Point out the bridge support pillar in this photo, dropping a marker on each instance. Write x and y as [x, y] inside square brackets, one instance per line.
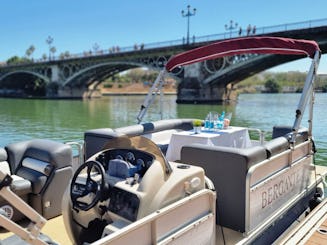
[191, 90]
[77, 93]
[54, 73]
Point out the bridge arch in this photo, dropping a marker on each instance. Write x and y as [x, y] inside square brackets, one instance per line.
[110, 68]
[22, 83]
[45, 78]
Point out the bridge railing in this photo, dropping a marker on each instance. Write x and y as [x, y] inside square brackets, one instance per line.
[264, 30]
[194, 40]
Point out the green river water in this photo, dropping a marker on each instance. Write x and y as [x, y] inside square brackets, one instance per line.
[66, 120]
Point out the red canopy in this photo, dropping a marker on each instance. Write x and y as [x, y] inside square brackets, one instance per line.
[258, 45]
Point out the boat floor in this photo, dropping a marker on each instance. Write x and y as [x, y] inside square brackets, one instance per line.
[312, 230]
[54, 228]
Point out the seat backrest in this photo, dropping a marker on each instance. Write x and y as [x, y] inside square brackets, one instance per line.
[227, 168]
[96, 139]
[285, 131]
[276, 145]
[35, 160]
[47, 165]
[57, 154]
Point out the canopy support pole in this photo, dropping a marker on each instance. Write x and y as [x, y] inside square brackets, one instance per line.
[156, 87]
[308, 91]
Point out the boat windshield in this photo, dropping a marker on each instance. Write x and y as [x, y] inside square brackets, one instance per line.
[139, 143]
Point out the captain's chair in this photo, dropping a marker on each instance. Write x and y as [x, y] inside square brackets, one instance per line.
[41, 169]
[20, 186]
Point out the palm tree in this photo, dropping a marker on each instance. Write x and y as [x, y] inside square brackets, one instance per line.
[53, 50]
[30, 51]
[32, 48]
[67, 54]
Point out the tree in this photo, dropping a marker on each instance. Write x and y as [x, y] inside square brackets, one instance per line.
[13, 60]
[17, 60]
[61, 56]
[272, 86]
[64, 55]
[53, 50]
[30, 51]
[67, 54]
[44, 57]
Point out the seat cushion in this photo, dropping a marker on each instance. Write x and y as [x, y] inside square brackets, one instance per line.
[20, 186]
[36, 178]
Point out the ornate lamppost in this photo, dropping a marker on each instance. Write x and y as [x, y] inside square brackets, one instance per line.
[49, 42]
[231, 27]
[188, 14]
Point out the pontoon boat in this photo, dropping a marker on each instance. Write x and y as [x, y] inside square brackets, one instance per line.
[159, 183]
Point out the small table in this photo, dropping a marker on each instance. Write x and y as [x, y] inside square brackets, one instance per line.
[237, 137]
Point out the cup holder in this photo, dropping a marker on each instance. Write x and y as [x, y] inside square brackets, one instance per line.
[183, 166]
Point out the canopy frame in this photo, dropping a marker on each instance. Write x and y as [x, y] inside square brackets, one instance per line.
[254, 45]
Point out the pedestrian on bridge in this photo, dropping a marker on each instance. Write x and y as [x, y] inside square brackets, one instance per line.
[248, 30]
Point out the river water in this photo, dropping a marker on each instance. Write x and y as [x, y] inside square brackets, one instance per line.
[66, 120]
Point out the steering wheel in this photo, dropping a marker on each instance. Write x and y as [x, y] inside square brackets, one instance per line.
[87, 185]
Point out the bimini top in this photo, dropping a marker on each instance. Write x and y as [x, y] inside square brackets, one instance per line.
[258, 45]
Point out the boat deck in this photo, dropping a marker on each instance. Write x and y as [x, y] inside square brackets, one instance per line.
[313, 229]
[320, 235]
[53, 228]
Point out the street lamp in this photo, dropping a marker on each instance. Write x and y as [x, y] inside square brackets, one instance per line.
[49, 42]
[188, 14]
[231, 27]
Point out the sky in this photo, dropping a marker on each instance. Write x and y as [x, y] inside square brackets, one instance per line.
[76, 25]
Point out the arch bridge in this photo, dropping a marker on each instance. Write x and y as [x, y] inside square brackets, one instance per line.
[79, 75]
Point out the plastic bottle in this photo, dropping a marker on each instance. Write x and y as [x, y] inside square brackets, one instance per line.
[220, 123]
[207, 122]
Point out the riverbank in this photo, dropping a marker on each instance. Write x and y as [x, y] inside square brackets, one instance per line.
[135, 89]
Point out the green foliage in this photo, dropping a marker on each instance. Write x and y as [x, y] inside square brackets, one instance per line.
[272, 86]
[108, 85]
[294, 81]
[64, 55]
[15, 60]
[324, 88]
[133, 76]
[283, 78]
[30, 51]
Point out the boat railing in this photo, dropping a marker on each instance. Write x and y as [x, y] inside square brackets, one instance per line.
[196, 214]
[260, 182]
[260, 134]
[78, 150]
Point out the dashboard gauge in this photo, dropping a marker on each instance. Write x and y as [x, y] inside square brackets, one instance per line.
[130, 157]
[140, 162]
[119, 157]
